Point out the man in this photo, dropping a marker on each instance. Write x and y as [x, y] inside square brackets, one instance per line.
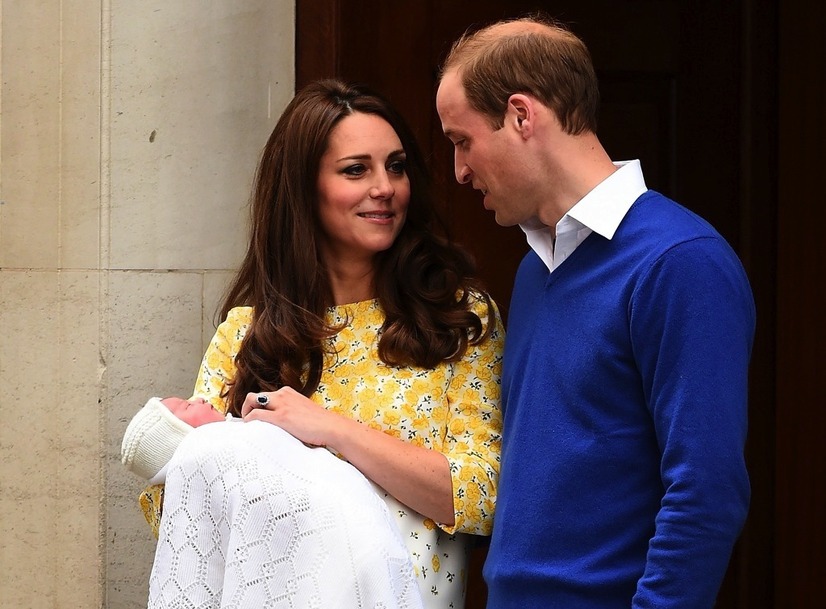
[623, 481]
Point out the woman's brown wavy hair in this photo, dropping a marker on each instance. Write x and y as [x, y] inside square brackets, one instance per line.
[424, 283]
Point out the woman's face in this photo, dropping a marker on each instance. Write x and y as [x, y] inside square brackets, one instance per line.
[363, 189]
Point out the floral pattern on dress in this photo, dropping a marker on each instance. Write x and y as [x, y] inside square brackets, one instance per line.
[452, 408]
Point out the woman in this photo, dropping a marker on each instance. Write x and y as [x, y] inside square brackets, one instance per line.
[354, 325]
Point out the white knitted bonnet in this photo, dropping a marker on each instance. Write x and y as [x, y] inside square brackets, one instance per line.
[150, 439]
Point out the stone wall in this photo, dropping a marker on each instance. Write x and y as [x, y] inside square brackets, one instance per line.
[129, 133]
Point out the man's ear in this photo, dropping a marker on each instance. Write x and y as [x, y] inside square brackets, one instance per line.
[521, 114]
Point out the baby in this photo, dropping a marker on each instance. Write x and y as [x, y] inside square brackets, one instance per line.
[250, 511]
[158, 428]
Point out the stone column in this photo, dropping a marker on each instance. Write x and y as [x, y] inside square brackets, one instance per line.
[129, 134]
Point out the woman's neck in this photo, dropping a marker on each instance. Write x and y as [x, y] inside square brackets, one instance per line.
[351, 283]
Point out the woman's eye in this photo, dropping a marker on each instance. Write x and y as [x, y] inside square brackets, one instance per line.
[397, 167]
[354, 170]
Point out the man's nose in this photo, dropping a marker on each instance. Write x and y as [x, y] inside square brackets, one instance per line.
[463, 172]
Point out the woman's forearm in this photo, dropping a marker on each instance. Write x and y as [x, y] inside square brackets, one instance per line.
[416, 476]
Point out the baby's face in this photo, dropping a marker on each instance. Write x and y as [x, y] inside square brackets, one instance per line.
[193, 412]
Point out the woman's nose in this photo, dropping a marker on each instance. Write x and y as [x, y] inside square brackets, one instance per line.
[383, 188]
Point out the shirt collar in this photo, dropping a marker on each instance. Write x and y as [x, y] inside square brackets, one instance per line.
[605, 206]
[600, 211]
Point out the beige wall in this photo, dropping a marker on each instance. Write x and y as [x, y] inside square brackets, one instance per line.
[129, 132]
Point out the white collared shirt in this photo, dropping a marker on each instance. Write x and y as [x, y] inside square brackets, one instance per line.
[600, 211]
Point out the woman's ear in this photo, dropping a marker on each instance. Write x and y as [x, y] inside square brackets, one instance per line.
[521, 114]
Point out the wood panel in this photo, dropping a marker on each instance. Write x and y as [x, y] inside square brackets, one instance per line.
[800, 552]
[750, 580]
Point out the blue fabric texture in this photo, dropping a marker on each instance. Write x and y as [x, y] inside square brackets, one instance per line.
[623, 480]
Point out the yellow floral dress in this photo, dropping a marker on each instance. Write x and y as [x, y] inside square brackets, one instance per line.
[452, 408]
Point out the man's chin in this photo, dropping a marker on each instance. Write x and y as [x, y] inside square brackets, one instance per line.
[500, 219]
[503, 221]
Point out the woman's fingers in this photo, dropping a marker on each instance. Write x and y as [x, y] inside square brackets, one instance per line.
[256, 400]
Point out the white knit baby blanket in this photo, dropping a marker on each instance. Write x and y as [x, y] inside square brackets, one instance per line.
[255, 519]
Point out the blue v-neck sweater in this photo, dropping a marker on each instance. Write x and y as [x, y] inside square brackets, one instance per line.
[623, 481]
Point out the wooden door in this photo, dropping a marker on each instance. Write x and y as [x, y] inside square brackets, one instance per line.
[684, 88]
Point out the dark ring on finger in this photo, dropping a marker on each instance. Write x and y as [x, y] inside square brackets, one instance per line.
[262, 399]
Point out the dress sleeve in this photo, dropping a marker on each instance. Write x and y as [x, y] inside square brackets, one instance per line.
[473, 439]
[218, 366]
[217, 369]
[151, 502]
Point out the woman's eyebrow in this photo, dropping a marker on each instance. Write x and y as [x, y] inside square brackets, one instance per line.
[367, 156]
[354, 157]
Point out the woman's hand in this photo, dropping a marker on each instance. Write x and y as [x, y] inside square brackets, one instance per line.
[418, 477]
[294, 413]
